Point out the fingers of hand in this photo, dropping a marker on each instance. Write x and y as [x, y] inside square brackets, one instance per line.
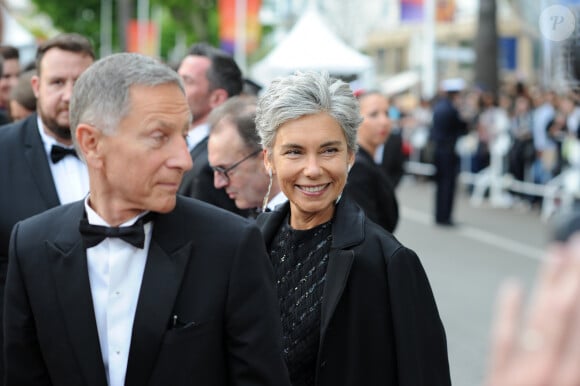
[568, 371]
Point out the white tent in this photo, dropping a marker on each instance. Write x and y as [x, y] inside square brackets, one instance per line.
[14, 34]
[311, 45]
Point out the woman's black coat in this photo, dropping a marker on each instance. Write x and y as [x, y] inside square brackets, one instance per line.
[379, 321]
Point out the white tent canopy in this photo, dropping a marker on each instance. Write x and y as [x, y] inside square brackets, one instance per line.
[311, 45]
[14, 34]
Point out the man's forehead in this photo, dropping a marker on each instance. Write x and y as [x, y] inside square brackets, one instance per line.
[226, 140]
[80, 62]
[194, 62]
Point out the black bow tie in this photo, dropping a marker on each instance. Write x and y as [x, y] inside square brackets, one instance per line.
[134, 234]
[58, 152]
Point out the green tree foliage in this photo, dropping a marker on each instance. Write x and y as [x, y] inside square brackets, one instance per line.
[81, 16]
[197, 20]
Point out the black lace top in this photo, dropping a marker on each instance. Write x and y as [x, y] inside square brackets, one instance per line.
[300, 258]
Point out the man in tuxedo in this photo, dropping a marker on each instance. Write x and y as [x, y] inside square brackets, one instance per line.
[210, 76]
[37, 167]
[135, 285]
[236, 157]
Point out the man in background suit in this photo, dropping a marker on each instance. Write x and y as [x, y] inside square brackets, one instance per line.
[448, 126]
[236, 157]
[210, 76]
[35, 174]
[135, 285]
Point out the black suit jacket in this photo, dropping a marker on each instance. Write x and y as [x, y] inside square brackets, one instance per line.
[371, 189]
[204, 264]
[393, 158]
[379, 321]
[198, 181]
[26, 185]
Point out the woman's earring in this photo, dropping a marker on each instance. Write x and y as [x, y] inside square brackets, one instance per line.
[267, 196]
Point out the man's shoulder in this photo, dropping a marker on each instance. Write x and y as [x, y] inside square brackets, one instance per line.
[55, 215]
[13, 134]
[49, 224]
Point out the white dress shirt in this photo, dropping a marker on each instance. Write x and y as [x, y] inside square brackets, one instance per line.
[278, 199]
[542, 115]
[115, 274]
[378, 156]
[70, 174]
[196, 135]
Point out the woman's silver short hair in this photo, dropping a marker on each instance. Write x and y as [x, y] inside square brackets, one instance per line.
[307, 93]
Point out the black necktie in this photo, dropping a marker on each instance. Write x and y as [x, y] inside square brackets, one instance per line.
[134, 234]
[58, 152]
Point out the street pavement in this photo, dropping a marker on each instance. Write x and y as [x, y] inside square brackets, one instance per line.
[467, 264]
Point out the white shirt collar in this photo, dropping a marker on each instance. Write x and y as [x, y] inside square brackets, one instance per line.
[197, 134]
[94, 218]
[278, 199]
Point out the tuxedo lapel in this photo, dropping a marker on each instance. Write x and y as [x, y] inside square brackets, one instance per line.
[69, 267]
[339, 264]
[186, 187]
[199, 148]
[347, 232]
[166, 263]
[36, 157]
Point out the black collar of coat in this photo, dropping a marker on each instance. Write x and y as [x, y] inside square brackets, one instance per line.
[347, 225]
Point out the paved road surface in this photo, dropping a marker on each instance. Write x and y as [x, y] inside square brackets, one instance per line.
[466, 265]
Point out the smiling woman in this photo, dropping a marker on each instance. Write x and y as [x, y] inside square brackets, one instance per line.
[344, 284]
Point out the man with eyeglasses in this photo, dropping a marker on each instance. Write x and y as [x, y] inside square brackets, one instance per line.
[236, 157]
[210, 77]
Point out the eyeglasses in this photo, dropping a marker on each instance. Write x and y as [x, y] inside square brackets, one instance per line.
[224, 171]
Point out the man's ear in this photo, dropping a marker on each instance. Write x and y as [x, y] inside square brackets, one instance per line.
[35, 83]
[217, 97]
[88, 138]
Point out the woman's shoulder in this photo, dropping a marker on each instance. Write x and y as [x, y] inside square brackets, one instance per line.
[375, 234]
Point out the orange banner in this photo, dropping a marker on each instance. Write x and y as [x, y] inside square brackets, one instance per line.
[149, 45]
[227, 24]
[445, 11]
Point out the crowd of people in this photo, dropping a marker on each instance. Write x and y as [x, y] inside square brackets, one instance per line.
[526, 133]
[170, 227]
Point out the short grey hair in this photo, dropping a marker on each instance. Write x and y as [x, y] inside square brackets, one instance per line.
[307, 93]
[101, 94]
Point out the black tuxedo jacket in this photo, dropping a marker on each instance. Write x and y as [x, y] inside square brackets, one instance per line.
[379, 321]
[198, 181]
[205, 265]
[369, 186]
[393, 160]
[27, 186]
